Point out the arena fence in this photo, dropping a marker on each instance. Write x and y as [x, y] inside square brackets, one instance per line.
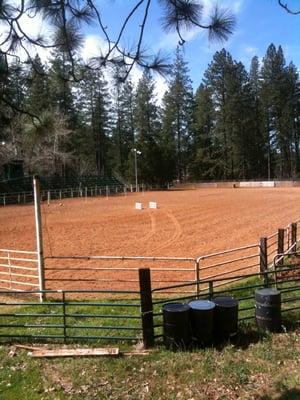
[18, 270]
[121, 273]
[107, 315]
[60, 194]
[86, 299]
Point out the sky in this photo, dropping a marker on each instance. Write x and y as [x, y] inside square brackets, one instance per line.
[259, 23]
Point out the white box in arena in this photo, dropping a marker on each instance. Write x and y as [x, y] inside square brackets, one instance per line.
[152, 204]
[138, 206]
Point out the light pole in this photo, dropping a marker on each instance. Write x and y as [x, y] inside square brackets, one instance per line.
[136, 153]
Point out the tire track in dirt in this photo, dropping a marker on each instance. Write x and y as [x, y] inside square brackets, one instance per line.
[152, 231]
[176, 235]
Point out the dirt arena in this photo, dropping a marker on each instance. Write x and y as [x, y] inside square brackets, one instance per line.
[187, 223]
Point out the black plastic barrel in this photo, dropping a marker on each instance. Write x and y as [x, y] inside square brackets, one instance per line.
[225, 317]
[202, 321]
[268, 309]
[176, 326]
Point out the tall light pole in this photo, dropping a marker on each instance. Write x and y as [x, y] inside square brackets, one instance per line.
[136, 153]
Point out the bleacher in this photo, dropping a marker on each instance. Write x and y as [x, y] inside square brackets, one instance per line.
[20, 190]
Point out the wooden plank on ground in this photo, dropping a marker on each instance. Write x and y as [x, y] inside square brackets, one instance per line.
[110, 352]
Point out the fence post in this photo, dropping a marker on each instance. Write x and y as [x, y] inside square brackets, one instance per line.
[280, 246]
[211, 289]
[294, 235]
[39, 236]
[146, 307]
[197, 277]
[263, 256]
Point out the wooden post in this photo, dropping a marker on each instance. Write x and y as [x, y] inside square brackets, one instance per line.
[294, 235]
[264, 259]
[211, 289]
[146, 307]
[280, 245]
[197, 277]
[39, 236]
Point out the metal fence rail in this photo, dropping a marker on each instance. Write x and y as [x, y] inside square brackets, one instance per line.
[63, 317]
[18, 269]
[59, 194]
[243, 289]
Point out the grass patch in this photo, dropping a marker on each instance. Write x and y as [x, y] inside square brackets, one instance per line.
[266, 369]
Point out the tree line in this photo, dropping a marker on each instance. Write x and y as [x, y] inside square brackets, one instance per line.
[238, 124]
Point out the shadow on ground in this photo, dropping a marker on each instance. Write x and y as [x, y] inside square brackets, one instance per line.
[291, 394]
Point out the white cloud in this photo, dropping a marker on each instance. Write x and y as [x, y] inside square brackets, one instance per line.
[161, 85]
[93, 46]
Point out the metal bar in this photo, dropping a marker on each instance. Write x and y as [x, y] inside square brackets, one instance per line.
[18, 267]
[15, 274]
[227, 251]
[114, 269]
[32, 336]
[231, 271]
[290, 309]
[271, 236]
[20, 259]
[49, 291]
[122, 258]
[9, 267]
[64, 315]
[29, 326]
[19, 251]
[229, 262]
[19, 283]
[107, 327]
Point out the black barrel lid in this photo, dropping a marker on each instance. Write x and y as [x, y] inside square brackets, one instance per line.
[225, 301]
[176, 307]
[267, 292]
[201, 305]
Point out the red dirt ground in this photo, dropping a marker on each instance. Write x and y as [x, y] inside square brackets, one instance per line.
[188, 223]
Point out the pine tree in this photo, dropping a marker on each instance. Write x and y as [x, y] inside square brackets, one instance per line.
[206, 148]
[146, 129]
[37, 96]
[215, 79]
[95, 104]
[178, 111]
[123, 130]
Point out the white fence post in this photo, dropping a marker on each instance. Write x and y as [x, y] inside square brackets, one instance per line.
[39, 236]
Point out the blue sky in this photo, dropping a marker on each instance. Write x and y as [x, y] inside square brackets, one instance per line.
[259, 23]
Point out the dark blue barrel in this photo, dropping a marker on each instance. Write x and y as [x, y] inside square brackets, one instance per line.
[176, 326]
[202, 321]
[225, 317]
[268, 309]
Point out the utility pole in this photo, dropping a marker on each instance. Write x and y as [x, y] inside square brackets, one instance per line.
[136, 153]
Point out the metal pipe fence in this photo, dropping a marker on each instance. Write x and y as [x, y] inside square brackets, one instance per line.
[63, 317]
[243, 291]
[18, 269]
[60, 194]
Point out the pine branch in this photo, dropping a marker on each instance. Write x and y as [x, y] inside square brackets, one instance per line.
[287, 8]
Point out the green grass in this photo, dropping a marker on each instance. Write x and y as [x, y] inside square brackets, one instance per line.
[257, 366]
